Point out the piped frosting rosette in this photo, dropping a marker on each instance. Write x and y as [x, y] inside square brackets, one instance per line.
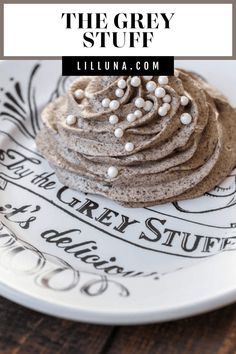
[140, 140]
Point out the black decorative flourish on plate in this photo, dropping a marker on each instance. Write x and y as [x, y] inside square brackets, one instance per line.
[45, 267]
[3, 183]
[20, 107]
[221, 197]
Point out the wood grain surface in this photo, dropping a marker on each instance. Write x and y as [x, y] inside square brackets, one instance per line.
[23, 331]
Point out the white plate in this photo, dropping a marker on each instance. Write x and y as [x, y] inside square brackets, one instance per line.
[58, 257]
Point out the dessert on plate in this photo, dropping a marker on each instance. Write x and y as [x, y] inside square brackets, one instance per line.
[141, 140]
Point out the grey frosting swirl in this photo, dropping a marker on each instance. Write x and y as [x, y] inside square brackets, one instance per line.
[169, 161]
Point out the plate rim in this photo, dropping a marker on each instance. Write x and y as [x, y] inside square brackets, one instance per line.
[104, 317]
[40, 303]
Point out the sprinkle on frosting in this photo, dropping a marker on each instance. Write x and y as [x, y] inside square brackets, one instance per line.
[166, 106]
[163, 80]
[184, 100]
[71, 119]
[148, 106]
[151, 86]
[166, 98]
[129, 147]
[135, 81]
[139, 102]
[186, 118]
[176, 73]
[162, 111]
[114, 105]
[79, 94]
[121, 84]
[113, 119]
[160, 92]
[131, 117]
[119, 92]
[147, 78]
[138, 113]
[106, 102]
[119, 132]
[112, 172]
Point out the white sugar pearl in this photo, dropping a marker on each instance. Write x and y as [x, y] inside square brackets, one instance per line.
[70, 119]
[186, 118]
[112, 172]
[121, 84]
[139, 102]
[148, 106]
[135, 81]
[147, 78]
[163, 80]
[131, 117]
[151, 86]
[162, 111]
[166, 99]
[113, 119]
[138, 113]
[106, 102]
[129, 147]
[167, 106]
[176, 73]
[119, 93]
[184, 100]
[160, 92]
[79, 94]
[119, 133]
[114, 104]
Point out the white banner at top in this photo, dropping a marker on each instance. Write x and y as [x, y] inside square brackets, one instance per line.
[190, 30]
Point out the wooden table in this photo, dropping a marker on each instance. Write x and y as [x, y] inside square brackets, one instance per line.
[23, 331]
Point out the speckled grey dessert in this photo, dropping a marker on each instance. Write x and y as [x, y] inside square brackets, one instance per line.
[140, 141]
